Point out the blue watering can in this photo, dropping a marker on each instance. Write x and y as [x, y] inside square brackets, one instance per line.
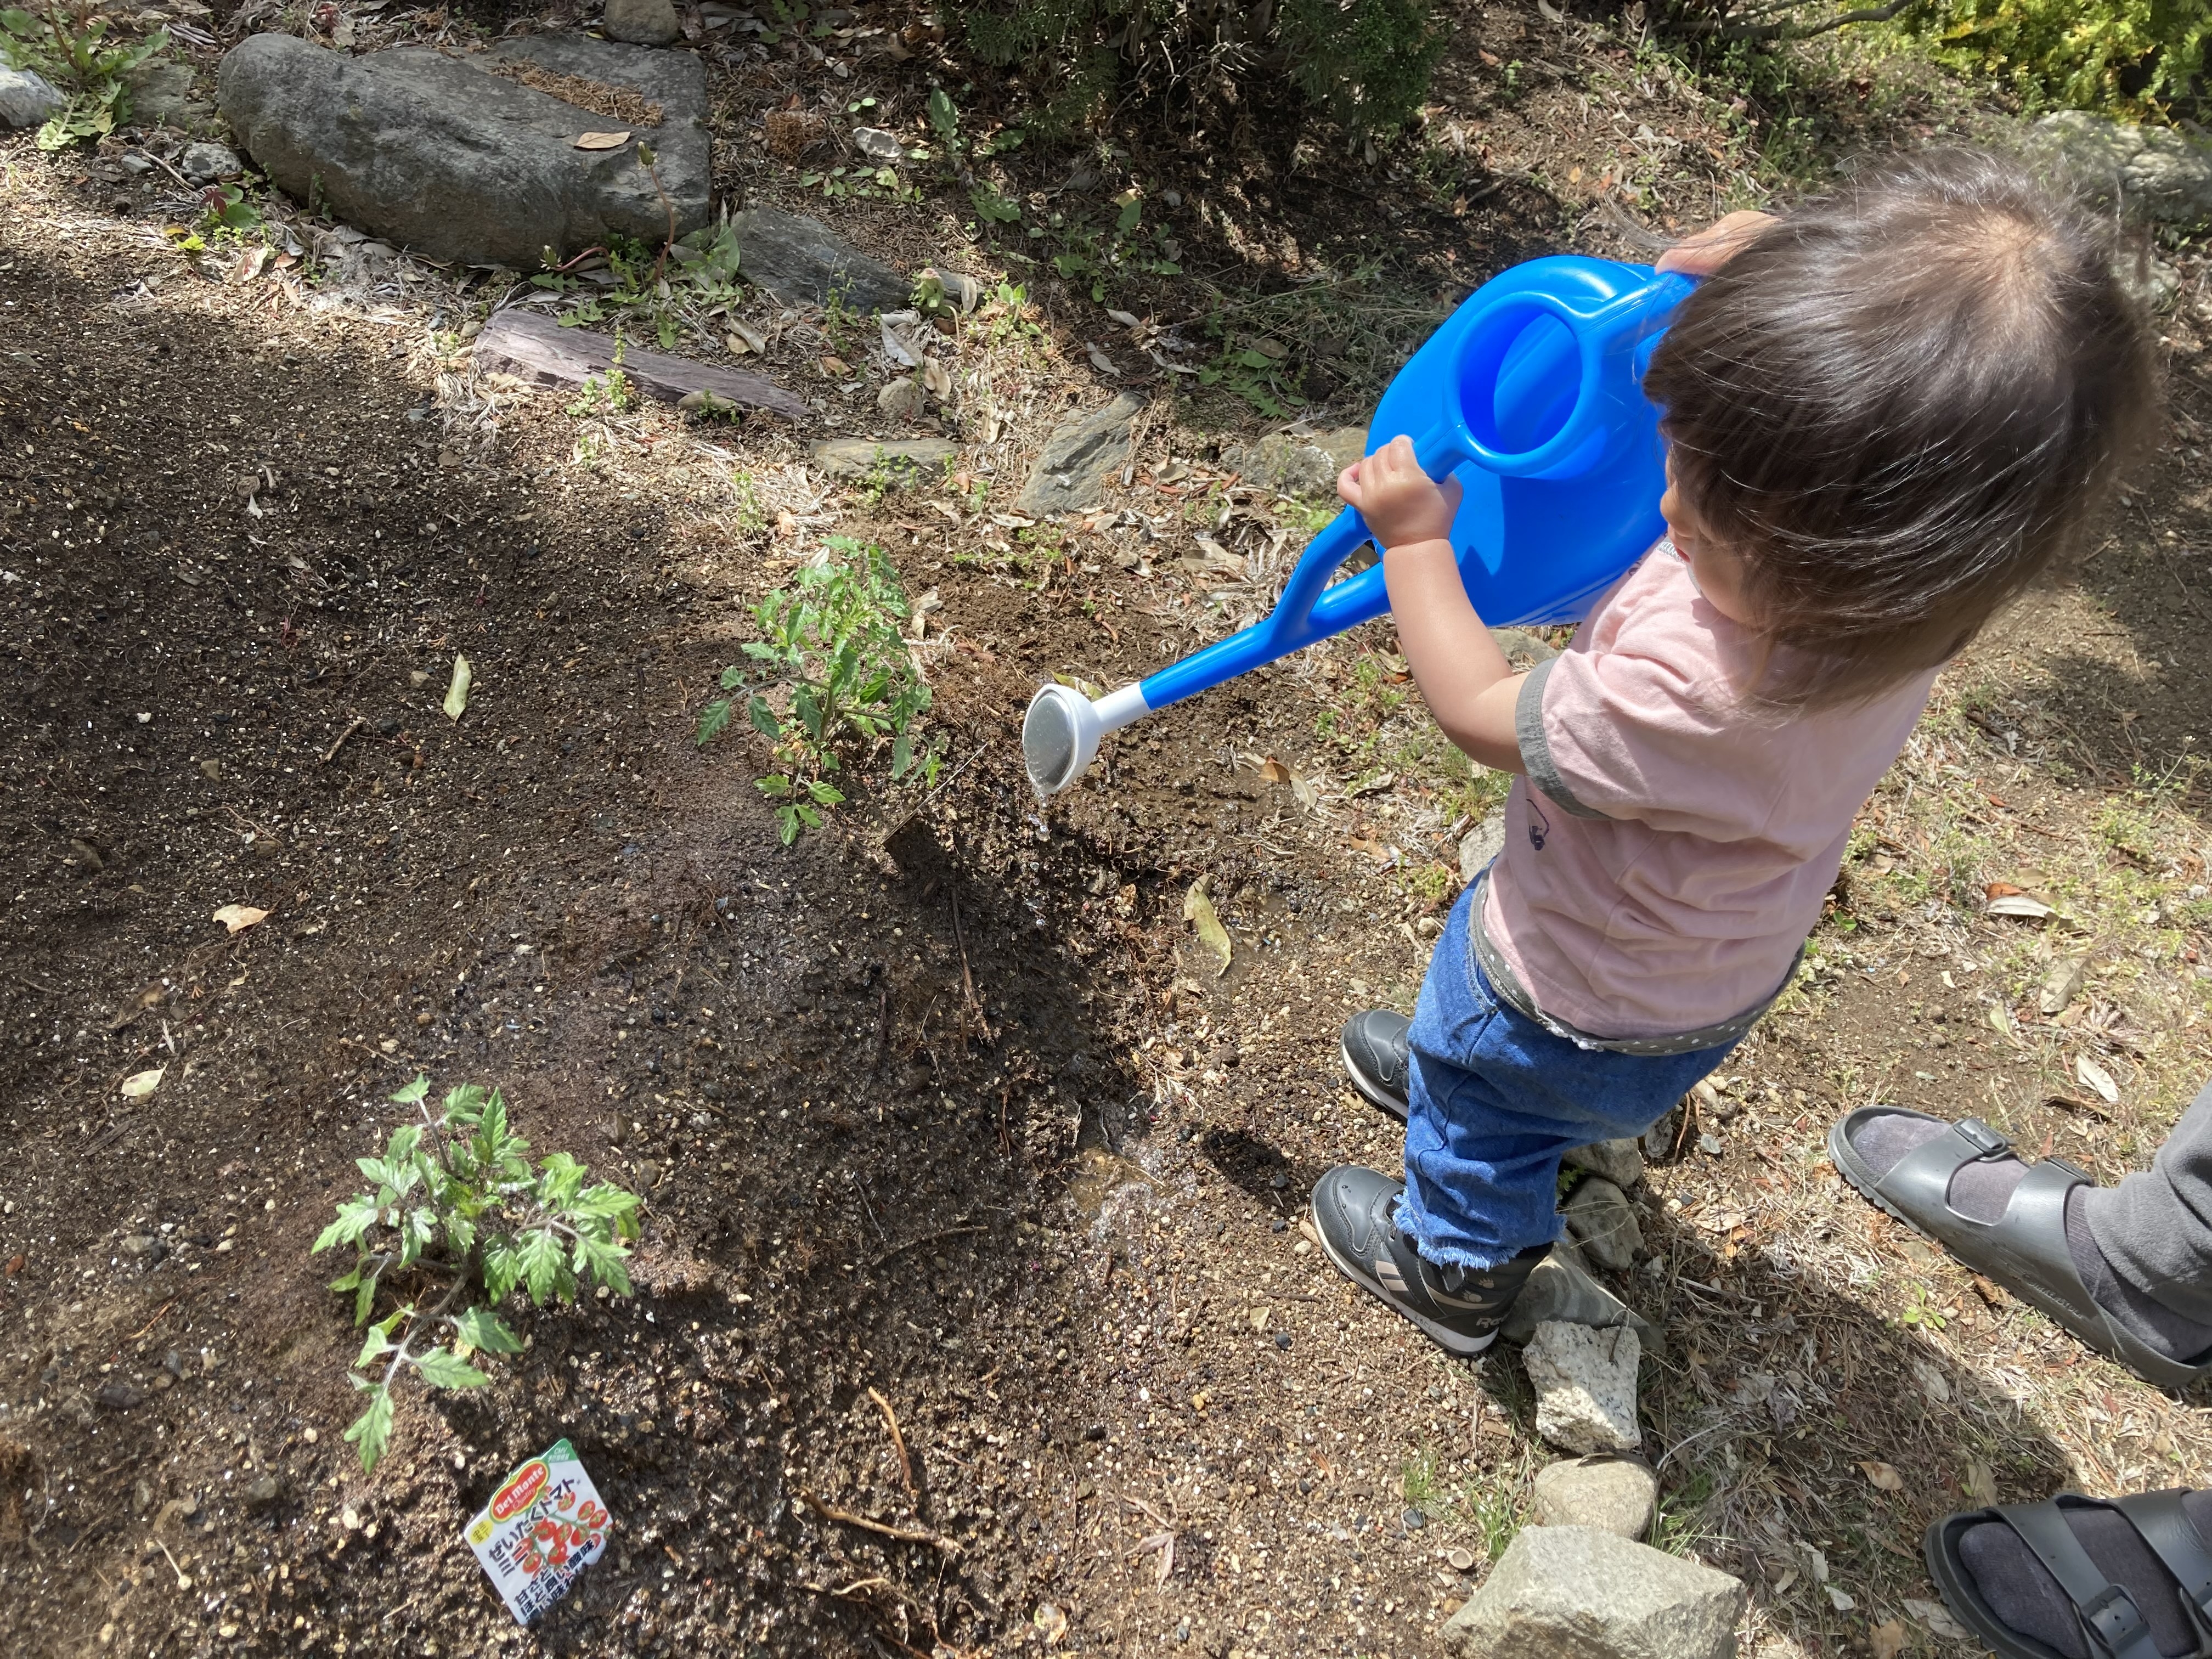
[1531, 395]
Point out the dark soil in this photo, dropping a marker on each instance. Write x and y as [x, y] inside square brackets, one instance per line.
[945, 1104]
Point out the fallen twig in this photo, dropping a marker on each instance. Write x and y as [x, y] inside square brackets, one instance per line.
[967, 976]
[898, 1442]
[926, 1239]
[904, 1535]
[331, 753]
[26, 979]
[151, 1323]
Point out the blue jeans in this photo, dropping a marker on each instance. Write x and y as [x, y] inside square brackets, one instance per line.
[1495, 1100]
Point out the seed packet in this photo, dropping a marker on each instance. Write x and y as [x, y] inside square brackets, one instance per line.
[543, 1526]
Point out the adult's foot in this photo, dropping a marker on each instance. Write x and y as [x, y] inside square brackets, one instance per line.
[1459, 1309]
[1991, 1575]
[1982, 1190]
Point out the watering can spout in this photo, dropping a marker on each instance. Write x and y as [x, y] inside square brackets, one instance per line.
[1531, 394]
[1061, 733]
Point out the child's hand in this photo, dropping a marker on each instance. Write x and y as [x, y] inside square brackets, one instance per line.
[1401, 503]
[1703, 254]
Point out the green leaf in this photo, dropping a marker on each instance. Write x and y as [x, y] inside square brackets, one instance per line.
[414, 1093]
[773, 786]
[604, 1202]
[543, 1271]
[364, 1299]
[714, 721]
[559, 1179]
[787, 821]
[813, 819]
[415, 1236]
[608, 1263]
[441, 1368]
[375, 1345]
[764, 717]
[372, 1431]
[502, 1267]
[481, 1328]
[347, 1281]
[902, 755]
[733, 677]
[825, 794]
[460, 1231]
[466, 1103]
[355, 1216]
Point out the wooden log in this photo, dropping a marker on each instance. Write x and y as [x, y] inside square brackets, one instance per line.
[533, 347]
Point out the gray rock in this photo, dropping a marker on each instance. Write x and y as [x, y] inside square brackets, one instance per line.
[430, 152]
[1561, 1290]
[161, 94]
[1579, 1593]
[1523, 650]
[1604, 1222]
[1082, 452]
[897, 461]
[1481, 844]
[1585, 1384]
[1297, 465]
[1659, 1139]
[878, 146]
[643, 23]
[1617, 1495]
[26, 100]
[139, 1244]
[800, 261]
[2158, 171]
[263, 1493]
[902, 398]
[207, 163]
[1620, 1162]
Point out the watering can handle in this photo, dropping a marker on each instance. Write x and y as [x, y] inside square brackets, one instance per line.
[1291, 624]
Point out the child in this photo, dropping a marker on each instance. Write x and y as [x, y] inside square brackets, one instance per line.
[1885, 413]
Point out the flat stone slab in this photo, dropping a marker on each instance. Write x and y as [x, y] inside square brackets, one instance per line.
[1082, 452]
[2160, 173]
[898, 461]
[1617, 1495]
[1585, 1386]
[433, 152]
[802, 261]
[1620, 1162]
[1297, 465]
[533, 346]
[1581, 1593]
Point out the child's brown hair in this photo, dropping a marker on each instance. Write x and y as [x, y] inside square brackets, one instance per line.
[1899, 404]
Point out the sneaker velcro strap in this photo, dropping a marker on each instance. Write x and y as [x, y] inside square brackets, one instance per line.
[1985, 1140]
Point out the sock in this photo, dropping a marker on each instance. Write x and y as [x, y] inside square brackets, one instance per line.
[1981, 1190]
[2022, 1592]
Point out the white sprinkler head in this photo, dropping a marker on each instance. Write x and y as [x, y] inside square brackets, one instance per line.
[1061, 733]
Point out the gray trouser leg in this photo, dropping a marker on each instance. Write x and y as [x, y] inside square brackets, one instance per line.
[2155, 1227]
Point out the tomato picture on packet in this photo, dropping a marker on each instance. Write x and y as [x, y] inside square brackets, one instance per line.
[543, 1526]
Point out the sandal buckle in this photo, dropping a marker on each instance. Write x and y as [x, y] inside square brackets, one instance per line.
[2114, 1617]
[1985, 1142]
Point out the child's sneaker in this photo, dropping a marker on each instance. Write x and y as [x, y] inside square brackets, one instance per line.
[1379, 1059]
[1459, 1309]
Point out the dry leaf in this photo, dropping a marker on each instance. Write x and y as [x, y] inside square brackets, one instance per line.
[1997, 889]
[2060, 984]
[1932, 1381]
[1883, 1476]
[1887, 1640]
[602, 141]
[1198, 909]
[1100, 361]
[1842, 1602]
[1938, 1618]
[1981, 1481]
[2094, 1076]
[936, 378]
[2019, 904]
[1275, 771]
[1050, 1621]
[239, 917]
[457, 694]
[139, 1085]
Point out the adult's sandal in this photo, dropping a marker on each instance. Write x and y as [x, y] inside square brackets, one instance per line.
[2075, 1578]
[2023, 1250]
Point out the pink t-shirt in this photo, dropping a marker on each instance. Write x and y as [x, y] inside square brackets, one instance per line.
[1668, 851]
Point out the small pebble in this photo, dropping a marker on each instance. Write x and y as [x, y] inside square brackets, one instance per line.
[1282, 1338]
[1279, 1225]
[1462, 1560]
[1414, 1520]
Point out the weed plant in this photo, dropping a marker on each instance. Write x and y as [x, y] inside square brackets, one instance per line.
[69, 46]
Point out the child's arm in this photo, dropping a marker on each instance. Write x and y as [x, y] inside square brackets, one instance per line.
[1463, 674]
